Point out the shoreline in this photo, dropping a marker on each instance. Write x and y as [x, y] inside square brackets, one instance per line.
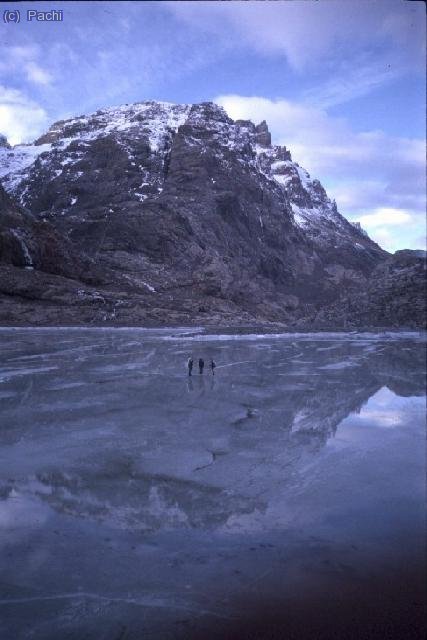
[249, 331]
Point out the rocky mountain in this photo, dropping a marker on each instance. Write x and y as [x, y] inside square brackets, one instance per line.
[176, 213]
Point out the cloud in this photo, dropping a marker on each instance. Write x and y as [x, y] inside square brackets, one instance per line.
[21, 118]
[22, 60]
[392, 240]
[369, 173]
[381, 225]
[348, 48]
[36, 74]
[309, 33]
[352, 80]
[385, 215]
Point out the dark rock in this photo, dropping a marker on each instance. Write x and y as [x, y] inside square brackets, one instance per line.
[263, 136]
[3, 142]
[394, 296]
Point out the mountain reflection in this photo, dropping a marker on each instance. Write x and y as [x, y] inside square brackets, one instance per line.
[153, 449]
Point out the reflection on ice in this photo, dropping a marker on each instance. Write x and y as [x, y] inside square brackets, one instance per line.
[386, 409]
[340, 365]
[298, 449]
[270, 410]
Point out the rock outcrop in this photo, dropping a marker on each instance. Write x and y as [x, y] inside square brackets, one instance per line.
[3, 142]
[29, 243]
[395, 296]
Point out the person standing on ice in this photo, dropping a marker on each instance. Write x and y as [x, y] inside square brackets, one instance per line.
[190, 365]
[213, 365]
[201, 365]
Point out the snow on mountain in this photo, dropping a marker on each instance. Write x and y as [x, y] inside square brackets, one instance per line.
[183, 201]
[65, 145]
[157, 119]
[63, 149]
[15, 162]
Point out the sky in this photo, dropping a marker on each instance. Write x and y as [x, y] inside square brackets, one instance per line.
[341, 84]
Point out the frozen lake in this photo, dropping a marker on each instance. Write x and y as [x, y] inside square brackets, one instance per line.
[282, 498]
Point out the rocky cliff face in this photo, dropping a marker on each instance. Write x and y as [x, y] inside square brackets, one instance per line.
[40, 270]
[395, 296]
[187, 215]
[29, 243]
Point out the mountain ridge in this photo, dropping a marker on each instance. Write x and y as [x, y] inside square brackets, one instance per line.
[185, 214]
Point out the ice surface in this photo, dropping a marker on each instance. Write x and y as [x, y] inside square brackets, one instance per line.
[136, 501]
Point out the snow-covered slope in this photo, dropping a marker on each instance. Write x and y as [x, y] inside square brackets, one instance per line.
[315, 213]
[143, 129]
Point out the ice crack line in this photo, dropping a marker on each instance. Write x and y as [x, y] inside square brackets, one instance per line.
[232, 364]
[145, 602]
[209, 464]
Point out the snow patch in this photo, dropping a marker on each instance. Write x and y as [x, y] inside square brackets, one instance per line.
[149, 287]
[14, 162]
[304, 176]
[155, 120]
[281, 179]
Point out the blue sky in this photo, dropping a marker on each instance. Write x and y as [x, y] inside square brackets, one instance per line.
[342, 84]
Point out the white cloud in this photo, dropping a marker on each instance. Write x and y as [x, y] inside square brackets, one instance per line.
[37, 75]
[349, 48]
[405, 237]
[308, 33]
[393, 228]
[368, 173]
[21, 118]
[385, 215]
[24, 60]
[22, 53]
[351, 80]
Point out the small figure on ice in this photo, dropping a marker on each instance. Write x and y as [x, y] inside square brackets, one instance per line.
[201, 365]
[190, 365]
[213, 365]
